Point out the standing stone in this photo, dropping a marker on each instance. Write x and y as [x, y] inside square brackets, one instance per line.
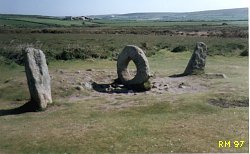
[197, 62]
[38, 78]
[135, 54]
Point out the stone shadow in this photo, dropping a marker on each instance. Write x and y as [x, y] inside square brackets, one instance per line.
[117, 87]
[177, 75]
[27, 107]
[110, 88]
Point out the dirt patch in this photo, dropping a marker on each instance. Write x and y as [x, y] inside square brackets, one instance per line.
[100, 83]
[229, 103]
[180, 85]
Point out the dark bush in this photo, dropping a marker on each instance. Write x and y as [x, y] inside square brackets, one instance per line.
[234, 46]
[244, 53]
[161, 45]
[144, 45]
[179, 48]
[14, 56]
[81, 53]
[65, 55]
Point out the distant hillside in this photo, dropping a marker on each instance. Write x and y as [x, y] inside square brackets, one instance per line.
[212, 15]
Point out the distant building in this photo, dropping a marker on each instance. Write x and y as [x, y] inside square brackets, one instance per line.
[68, 18]
[78, 18]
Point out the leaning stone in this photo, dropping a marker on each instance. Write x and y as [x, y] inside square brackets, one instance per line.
[197, 62]
[137, 55]
[38, 78]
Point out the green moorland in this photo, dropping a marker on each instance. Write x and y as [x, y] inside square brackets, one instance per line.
[87, 121]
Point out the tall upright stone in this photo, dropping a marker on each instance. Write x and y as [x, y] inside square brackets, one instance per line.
[141, 80]
[197, 61]
[38, 78]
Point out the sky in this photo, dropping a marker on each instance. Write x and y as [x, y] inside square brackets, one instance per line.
[98, 7]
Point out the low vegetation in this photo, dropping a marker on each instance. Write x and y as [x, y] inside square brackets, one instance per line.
[179, 48]
[108, 46]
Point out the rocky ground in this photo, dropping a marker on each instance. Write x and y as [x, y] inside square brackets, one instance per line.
[97, 84]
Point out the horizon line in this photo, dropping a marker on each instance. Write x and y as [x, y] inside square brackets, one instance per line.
[122, 13]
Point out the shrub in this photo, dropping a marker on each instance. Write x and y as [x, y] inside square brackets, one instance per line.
[179, 48]
[161, 45]
[144, 45]
[244, 53]
[14, 56]
[50, 55]
[235, 46]
[81, 53]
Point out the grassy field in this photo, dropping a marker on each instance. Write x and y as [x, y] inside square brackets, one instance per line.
[36, 22]
[132, 23]
[190, 119]
[17, 21]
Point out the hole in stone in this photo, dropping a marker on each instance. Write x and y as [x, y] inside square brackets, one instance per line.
[131, 70]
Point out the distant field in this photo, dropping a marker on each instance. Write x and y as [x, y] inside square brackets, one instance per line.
[132, 23]
[36, 22]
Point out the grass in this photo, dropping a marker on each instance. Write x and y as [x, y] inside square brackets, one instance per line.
[164, 123]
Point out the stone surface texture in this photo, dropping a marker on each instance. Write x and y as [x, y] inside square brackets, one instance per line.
[197, 61]
[38, 78]
[135, 54]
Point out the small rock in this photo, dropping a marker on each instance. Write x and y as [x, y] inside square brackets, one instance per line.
[182, 85]
[130, 91]
[216, 75]
[7, 81]
[18, 99]
[154, 86]
[80, 88]
[89, 69]
[166, 87]
[120, 85]
[78, 72]
[88, 85]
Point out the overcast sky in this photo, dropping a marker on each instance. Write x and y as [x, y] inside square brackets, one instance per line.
[97, 7]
